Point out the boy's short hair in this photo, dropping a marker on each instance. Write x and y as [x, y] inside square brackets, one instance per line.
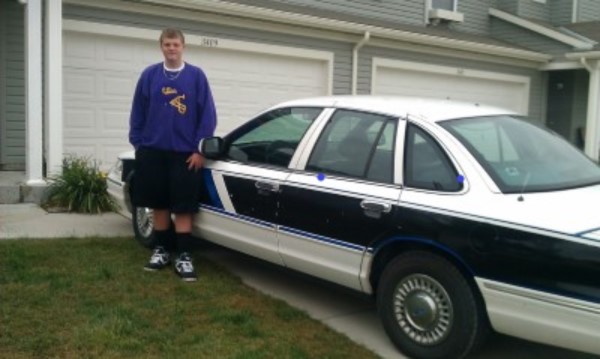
[171, 33]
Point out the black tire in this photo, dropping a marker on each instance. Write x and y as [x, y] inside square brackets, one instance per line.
[142, 221]
[428, 308]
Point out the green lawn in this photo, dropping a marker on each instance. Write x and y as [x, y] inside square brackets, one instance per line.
[90, 298]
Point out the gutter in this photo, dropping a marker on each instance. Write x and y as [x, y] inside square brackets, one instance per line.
[360, 44]
[288, 18]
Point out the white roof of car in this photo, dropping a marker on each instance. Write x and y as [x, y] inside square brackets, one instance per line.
[424, 108]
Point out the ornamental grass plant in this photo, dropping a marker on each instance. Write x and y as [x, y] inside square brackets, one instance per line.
[80, 188]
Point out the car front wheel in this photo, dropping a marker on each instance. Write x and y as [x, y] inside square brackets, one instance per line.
[428, 309]
[142, 220]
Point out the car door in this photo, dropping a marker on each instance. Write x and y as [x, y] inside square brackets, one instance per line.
[342, 198]
[240, 209]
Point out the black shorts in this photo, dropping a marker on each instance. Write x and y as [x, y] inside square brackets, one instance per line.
[162, 180]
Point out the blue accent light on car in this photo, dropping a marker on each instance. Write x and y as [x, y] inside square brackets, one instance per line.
[321, 177]
[460, 178]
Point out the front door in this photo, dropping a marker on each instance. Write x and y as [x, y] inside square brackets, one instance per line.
[240, 210]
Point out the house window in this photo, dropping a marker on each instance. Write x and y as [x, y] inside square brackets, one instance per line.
[449, 5]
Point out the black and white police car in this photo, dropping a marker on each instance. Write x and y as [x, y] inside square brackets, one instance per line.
[457, 217]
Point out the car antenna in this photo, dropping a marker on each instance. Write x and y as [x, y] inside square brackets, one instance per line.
[520, 198]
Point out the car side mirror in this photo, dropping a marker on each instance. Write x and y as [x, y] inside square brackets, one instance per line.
[212, 147]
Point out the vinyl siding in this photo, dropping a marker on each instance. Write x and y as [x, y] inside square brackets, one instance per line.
[477, 20]
[561, 12]
[589, 10]
[537, 86]
[534, 10]
[410, 12]
[511, 6]
[12, 110]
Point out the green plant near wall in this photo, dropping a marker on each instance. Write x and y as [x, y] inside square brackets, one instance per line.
[80, 188]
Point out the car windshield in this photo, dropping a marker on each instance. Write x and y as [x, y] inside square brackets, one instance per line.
[521, 156]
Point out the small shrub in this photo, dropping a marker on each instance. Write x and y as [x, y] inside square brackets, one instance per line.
[80, 188]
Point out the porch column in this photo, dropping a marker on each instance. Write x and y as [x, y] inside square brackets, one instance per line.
[53, 120]
[592, 133]
[33, 92]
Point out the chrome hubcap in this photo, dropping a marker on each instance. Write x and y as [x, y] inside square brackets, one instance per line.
[145, 221]
[423, 309]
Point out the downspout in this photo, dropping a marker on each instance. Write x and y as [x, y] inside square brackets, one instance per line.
[592, 137]
[575, 11]
[360, 44]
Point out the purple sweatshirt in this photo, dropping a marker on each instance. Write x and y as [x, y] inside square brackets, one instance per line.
[172, 112]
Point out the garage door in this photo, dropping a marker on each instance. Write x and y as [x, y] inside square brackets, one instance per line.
[101, 71]
[391, 77]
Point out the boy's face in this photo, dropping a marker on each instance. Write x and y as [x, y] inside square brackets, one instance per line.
[172, 49]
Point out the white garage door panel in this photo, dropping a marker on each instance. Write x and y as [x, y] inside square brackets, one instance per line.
[512, 95]
[101, 71]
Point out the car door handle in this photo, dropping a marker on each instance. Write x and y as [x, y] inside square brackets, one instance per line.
[376, 207]
[266, 186]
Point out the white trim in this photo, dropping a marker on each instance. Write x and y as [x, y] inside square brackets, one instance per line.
[540, 1]
[33, 90]
[447, 15]
[53, 87]
[591, 62]
[575, 11]
[221, 188]
[578, 55]
[302, 25]
[206, 41]
[542, 30]
[399, 151]
[542, 317]
[563, 65]
[450, 70]
[300, 158]
[592, 132]
[452, 53]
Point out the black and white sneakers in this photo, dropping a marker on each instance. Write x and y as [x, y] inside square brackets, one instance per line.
[184, 268]
[159, 259]
[183, 264]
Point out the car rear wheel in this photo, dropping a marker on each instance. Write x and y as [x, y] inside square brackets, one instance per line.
[428, 308]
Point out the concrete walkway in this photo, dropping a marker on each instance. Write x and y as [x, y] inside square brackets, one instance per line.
[28, 220]
[343, 310]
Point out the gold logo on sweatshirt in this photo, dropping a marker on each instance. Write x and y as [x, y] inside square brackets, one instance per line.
[176, 102]
[168, 90]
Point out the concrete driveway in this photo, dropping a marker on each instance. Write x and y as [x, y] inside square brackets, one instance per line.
[352, 313]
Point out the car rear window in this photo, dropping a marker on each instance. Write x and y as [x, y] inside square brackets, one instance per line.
[521, 156]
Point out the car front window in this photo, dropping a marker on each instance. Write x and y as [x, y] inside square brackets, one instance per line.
[523, 157]
[272, 138]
